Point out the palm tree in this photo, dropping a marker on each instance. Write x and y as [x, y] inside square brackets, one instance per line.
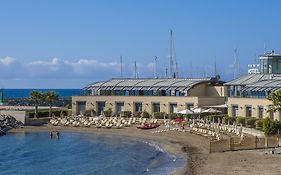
[275, 97]
[50, 97]
[36, 96]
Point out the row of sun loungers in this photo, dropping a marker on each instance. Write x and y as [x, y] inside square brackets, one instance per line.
[111, 122]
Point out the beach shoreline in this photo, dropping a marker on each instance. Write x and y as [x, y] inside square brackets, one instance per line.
[193, 147]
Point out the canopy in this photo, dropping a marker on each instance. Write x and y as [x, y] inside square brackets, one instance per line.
[186, 111]
[218, 106]
[198, 110]
[211, 110]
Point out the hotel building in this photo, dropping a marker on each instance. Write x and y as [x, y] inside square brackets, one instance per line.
[247, 96]
[151, 95]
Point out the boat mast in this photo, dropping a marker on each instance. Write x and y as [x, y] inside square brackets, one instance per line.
[155, 67]
[171, 55]
[121, 67]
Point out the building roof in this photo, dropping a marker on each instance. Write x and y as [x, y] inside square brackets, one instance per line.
[270, 54]
[258, 82]
[149, 84]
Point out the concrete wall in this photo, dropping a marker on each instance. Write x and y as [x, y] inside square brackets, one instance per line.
[255, 103]
[19, 115]
[147, 101]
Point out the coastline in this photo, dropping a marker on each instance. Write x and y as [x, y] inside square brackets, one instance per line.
[193, 147]
[172, 141]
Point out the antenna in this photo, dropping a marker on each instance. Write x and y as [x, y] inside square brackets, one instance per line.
[136, 71]
[235, 64]
[215, 67]
[171, 64]
[264, 48]
[121, 67]
[175, 59]
[191, 75]
[166, 72]
[155, 67]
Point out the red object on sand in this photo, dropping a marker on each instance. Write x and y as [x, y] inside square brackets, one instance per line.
[178, 120]
[148, 126]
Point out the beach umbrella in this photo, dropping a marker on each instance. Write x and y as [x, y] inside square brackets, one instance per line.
[198, 110]
[186, 111]
[211, 110]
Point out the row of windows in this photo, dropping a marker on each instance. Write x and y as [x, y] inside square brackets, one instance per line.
[249, 111]
[138, 107]
[235, 91]
[141, 93]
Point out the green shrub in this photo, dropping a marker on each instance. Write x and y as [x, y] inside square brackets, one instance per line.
[90, 113]
[145, 114]
[172, 116]
[271, 127]
[258, 123]
[127, 113]
[45, 113]
[108, 112]
[250, 122]
[137, 114]
[241, 120]
[160, 115]
[216, 118]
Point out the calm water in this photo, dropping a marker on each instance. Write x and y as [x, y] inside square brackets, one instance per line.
[25, 93]
[82, 153]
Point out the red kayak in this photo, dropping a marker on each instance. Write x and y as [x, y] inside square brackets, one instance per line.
[148, 126]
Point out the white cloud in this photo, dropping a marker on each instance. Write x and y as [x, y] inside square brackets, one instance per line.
[53, 62]
[7, 60]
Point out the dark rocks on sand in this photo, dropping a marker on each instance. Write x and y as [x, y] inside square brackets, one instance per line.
[7, 122]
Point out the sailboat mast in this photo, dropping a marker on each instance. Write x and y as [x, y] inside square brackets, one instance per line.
[121, 67]
[171, 55]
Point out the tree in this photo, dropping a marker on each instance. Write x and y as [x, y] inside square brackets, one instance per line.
[36, 96]
[275, 97]
[50, 97]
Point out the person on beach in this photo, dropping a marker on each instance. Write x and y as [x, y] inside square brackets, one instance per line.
[51, 135]
[58, 134]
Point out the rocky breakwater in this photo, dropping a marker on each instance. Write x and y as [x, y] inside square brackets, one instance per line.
[7, 122]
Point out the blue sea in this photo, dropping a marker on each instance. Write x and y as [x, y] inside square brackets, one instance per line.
[84, 154]
[25, 93]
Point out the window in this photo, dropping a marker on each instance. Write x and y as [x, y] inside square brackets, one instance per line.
[138, 107]
[173, 108]
[119, 107]
[156, 107]
[81, 107]
[101, 106]
[189, 106]
[248, 111]
[260, 111]
[234, 110]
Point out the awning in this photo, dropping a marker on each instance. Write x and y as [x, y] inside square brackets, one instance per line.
[217, 106]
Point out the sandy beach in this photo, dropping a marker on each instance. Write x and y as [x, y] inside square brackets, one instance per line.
[194, 147]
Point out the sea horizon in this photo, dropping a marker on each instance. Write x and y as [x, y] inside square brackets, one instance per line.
[25, 93]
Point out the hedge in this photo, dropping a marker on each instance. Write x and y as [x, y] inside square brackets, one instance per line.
[137, 114]
[241, 120]
[127, 113]
[250, 122]
[90, 113]
[159, 115]
[45, 113]
[108, 112]
[258, 123]
[229, 120]
[145, 114]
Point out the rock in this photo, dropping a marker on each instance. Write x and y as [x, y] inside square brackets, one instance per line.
[8, 122]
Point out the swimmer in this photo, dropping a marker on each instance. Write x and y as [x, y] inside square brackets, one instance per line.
[51, 135]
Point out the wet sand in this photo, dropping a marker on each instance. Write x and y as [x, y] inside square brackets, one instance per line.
[195, 148]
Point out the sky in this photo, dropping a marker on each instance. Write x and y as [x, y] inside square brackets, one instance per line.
[71, 43]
